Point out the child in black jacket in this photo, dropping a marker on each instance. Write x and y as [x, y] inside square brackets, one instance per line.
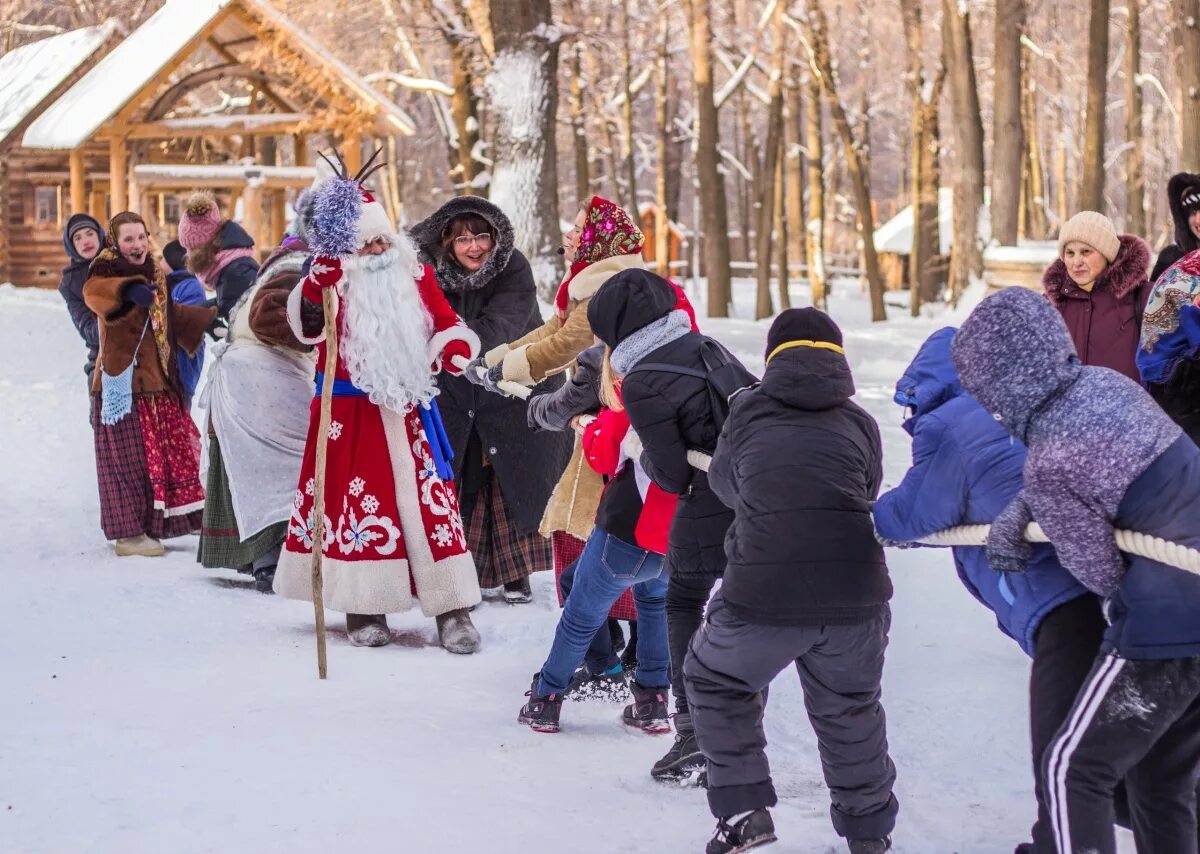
[806, 584]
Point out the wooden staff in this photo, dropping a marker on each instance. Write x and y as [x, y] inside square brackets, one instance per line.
[318, 586]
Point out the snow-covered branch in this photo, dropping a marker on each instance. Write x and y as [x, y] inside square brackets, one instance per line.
[417, 84]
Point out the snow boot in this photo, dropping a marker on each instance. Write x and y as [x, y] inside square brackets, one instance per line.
[629, 656]
[368, 629]
[617, 634]
[869, 846]
[457, 633]
[648, 711]
[139, 546]
[264, 579]
[742, 832]
[540, 714]
[518, 592]
[684, 760]
[611, 686]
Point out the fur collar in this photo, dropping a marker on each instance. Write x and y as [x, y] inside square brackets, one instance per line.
[587, 281]
[450, 274]
[1126, 273]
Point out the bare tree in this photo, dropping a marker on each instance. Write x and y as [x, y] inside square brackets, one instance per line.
[1007, 143]
[814, 145]
[1187, 25]
[662, 223]
[1135, 168]
[1097, 97]
[770, 168]
[579, 134]
[967, 123]
[628, 93]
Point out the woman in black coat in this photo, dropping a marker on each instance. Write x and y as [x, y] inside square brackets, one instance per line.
[83, 238]
[660, 364]
[1183, 196]
[504, 471]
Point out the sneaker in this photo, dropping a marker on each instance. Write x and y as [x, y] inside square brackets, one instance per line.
[540, 714]
[457, 633]
[869, 846]
[139, 546]
[684, 760]
[610, 686]
[742, 832]
[264, 579]
[648, 711]
[518, 592]
[368, 629]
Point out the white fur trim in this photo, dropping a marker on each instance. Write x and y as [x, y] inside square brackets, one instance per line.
[496, 355]
[351, 587]
[373, 222]
[293, 316]
[516, 367]
[588, 280]
[457, 332]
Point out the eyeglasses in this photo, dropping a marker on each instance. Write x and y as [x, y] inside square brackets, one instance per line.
[465, 240]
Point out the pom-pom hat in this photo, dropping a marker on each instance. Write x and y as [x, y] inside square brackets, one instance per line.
[201, 221]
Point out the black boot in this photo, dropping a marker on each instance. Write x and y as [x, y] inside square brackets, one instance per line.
[610, 687]
[684, 759]
[518, 592]
[540, 714]
[648, 711]
[617, 634]
[742, 832]
[629, 656]
[869, 846]
[264, 579]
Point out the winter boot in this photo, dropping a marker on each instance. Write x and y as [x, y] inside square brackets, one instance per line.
[617, 634]
[264, 579]
[684, 760]
[742, 832]
[139, 546]
[368, 629]
[457, 633]
[540, 714]
[610, 686]
[518, 592]
[648, 711]
[629, 656]
[869, 846]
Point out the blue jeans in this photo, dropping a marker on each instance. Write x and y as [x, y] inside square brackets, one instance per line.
[607, 567]
[600, 656]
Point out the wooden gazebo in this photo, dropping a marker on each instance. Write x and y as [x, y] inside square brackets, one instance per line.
[215, 94]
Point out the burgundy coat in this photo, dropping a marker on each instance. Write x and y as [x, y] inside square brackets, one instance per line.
[1106, 323]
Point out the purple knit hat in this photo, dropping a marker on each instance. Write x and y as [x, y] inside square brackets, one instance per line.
[201, 221]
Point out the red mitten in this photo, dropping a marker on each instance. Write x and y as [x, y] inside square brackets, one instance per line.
[325, 271]
[456, 348]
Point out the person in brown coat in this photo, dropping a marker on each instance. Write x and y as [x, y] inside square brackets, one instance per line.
[147, 447]
[1099, 286]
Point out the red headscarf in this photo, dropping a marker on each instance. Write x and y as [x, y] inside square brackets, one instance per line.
[607, 231]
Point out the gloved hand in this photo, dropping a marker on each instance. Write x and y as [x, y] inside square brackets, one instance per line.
[451, 353]
[1007, 550]
[472, 371]
[138, 293]
[491, 380]
[218, 329]
[324, 271]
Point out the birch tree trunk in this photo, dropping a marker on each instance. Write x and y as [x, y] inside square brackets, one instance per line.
[1097, 97]
[966, 258]
[1135, 163]
[1007, 144]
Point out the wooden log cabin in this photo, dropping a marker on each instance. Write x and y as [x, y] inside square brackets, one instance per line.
[224, 95]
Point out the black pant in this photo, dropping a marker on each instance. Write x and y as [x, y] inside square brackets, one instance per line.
[687, 594]
[1137, 719]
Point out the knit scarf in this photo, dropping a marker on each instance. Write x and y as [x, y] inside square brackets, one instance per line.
[659, 333]
[211, 274]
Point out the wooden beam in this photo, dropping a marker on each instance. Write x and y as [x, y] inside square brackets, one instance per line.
[352, 143]
[226, 126]
[117, 155]
[78, 184]
[230, 56]
[300, 145]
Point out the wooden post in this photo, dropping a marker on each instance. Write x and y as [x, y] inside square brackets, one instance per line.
[300, 147]
[252, 210]
[278, 218]
[352, 154]
[318, 546]
[78, 188]
[96, 205]
[117, 155]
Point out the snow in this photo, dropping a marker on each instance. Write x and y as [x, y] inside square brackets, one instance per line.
[896, 235]
[31, 72]
[1041, 253]
[153, 705]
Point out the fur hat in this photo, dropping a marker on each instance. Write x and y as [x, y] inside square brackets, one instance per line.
[803, 324]
[201, 221]
[1094, 229]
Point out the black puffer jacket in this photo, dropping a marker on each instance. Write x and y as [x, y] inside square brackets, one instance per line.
[1185, 240]
[801, 464]
[499, 302]
[239, 276]
[70, 287]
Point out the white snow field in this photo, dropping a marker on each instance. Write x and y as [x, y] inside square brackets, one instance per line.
[151, 705]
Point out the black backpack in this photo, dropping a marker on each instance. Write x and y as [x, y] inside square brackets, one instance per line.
[724, 375]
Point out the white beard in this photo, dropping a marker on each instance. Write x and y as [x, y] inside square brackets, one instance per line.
[386, 329]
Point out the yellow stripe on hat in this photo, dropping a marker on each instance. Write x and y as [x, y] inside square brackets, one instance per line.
[804, 342]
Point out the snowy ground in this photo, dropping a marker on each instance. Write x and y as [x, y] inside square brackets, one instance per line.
[150, 705]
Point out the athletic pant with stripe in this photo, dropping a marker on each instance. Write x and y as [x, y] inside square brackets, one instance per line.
[1137, 719]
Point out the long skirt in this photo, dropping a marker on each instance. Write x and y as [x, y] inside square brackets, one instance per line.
[148, 470]
[221, 542]
[502, 553]
[567, 550]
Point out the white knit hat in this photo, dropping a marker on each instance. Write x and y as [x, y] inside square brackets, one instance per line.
[1094, 229]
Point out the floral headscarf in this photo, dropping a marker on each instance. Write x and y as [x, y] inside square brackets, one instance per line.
[607, 231]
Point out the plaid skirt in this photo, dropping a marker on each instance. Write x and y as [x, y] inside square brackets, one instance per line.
[502, 555]
[567, 549]
[220, 541]
[148, 470]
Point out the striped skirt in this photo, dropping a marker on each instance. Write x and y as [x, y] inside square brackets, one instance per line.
[502, 554]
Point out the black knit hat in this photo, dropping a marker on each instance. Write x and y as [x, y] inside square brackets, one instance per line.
[628, 301]
[1190, 200]
[802, 324]
[175, 255]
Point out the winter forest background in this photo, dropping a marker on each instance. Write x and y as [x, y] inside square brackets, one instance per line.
[746, 118]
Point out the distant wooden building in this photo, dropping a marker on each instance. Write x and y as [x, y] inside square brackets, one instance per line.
[676, 242]
[216, 94]
[893, 242]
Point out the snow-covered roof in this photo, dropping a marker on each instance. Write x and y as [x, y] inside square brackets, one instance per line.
[896, 235]
[29, 74]
[131, 65]
[1040, 253]
[225, 172]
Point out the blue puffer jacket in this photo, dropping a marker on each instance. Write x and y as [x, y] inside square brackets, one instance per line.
[187, 290]
[966, 469]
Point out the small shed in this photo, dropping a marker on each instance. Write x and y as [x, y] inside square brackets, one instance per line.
[219, 94]
[893, 241]
[676, 240]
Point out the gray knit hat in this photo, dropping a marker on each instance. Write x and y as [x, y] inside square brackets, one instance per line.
[1094, 229]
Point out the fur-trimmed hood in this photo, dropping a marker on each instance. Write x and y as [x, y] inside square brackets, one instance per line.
[1184, 238]
[1127, 272]
[450, 274]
